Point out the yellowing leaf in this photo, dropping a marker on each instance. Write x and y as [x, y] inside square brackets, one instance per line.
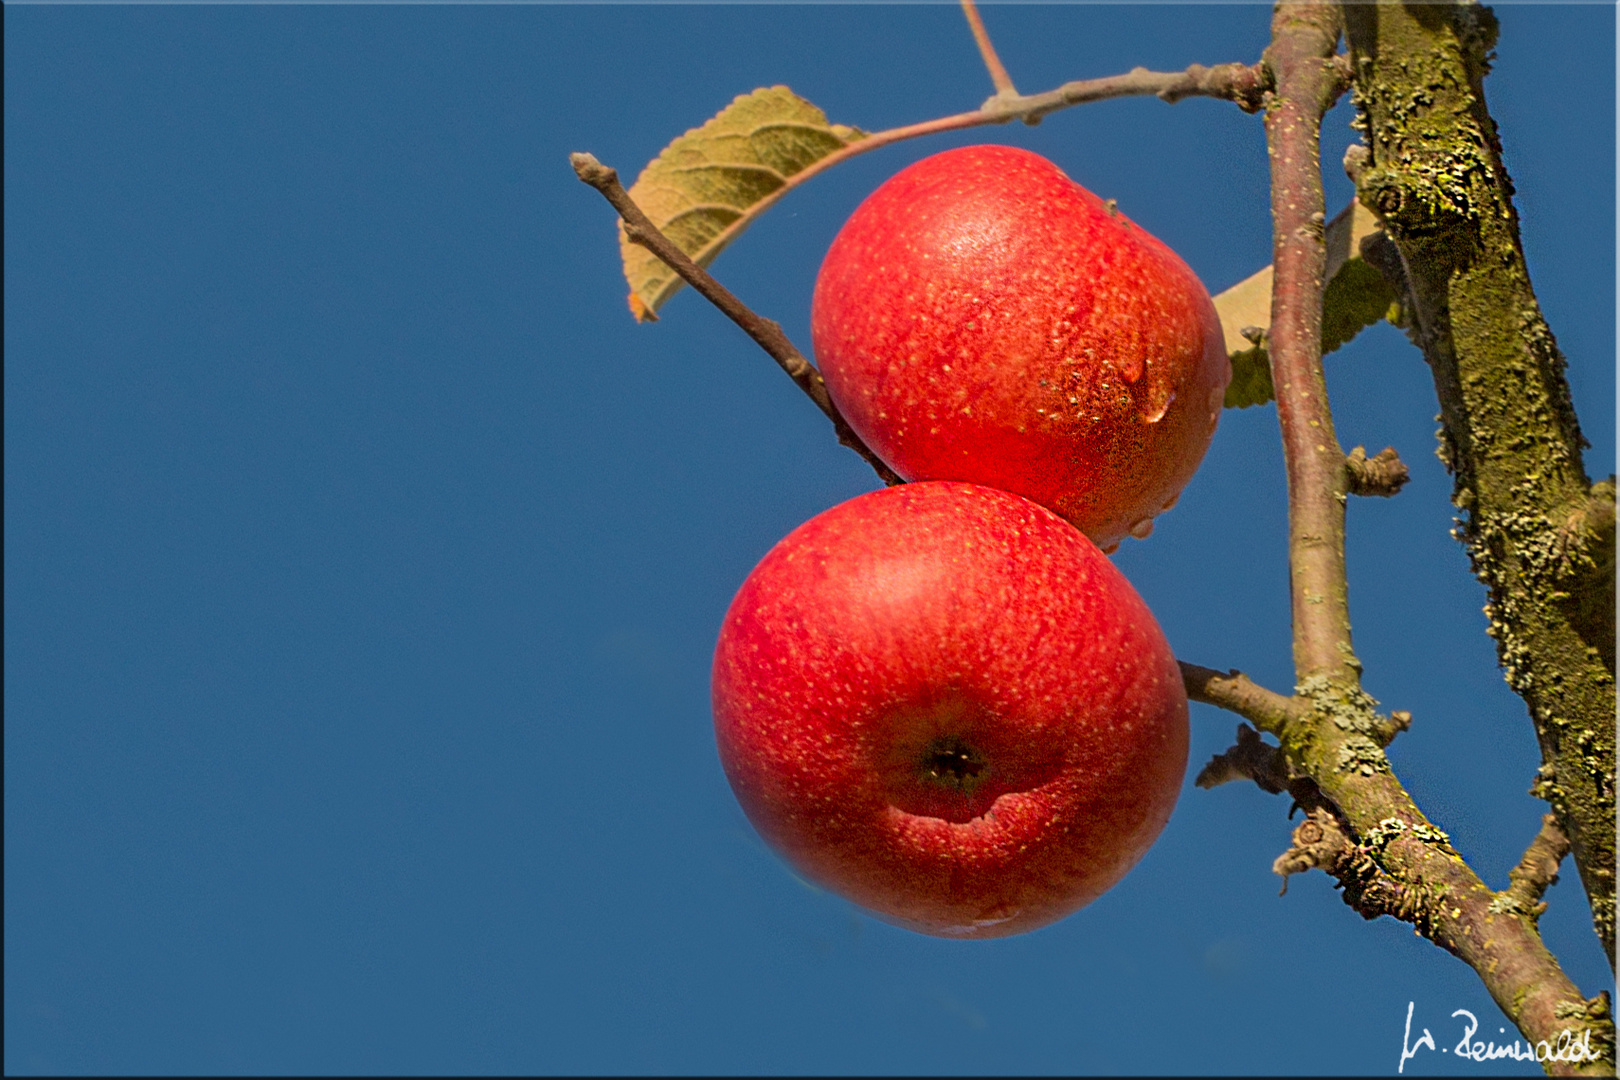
[1356, 297]
[711, 183]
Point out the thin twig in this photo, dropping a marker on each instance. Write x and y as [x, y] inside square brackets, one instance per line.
[1537, 870]
[1244, 84]
[1250, 758]
[998, 74]
[1237, 693]
[765, 332]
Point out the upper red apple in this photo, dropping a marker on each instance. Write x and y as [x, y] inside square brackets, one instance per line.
[983, 317]
[943, 702]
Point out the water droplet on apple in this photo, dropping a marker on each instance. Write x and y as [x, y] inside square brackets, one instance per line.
[1142, 529]
[1157, 406]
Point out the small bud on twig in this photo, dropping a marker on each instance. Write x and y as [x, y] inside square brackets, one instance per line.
[1383, 475]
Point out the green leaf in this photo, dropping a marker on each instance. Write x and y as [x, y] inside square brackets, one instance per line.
[1356, 297]
[711, 183]
[1251, 379]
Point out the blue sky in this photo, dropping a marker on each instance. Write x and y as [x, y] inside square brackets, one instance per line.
[364, 559]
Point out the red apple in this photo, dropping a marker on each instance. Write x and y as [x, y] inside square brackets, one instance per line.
[983, 317]
[943, 702]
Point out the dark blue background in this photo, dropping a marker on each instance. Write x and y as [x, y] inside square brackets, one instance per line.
[363, 559]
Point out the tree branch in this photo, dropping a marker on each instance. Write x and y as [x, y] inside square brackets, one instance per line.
[1363, 829]
[1367, 832]
[1243, 84]
[1461, 923]
[1433, 172]
[765, 332]
[1252, 758]
[1300, 55]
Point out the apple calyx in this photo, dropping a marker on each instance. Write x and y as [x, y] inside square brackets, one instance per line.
[953, 765]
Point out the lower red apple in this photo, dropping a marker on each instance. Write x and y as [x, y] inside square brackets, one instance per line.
[943, 702]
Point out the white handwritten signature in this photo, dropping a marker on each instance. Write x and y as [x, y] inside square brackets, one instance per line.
[1567, 1047]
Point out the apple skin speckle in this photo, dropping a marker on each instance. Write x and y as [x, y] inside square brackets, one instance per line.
[943, 702]
[983, 317]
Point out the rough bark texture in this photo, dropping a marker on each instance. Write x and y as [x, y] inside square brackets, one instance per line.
[1395, 862]
[1539, 533]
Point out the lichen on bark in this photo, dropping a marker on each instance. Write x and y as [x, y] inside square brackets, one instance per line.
[1540, 535]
